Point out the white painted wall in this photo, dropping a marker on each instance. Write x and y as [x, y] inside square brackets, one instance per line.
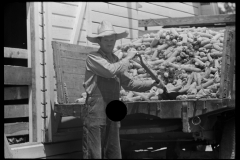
[123, 16]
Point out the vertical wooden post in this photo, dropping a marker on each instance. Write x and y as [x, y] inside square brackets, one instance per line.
[50, 81]
[29, 66]
[36, 96]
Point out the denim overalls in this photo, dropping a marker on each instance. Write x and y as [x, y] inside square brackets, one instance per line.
[100, 134]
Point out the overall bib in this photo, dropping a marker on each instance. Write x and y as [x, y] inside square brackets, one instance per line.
[100, 134]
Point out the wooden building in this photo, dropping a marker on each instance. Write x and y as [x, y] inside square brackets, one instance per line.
[51, 136]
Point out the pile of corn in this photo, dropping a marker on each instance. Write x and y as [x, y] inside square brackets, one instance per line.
[186, 59]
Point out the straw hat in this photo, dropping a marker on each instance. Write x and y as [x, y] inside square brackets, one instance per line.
[105, 28]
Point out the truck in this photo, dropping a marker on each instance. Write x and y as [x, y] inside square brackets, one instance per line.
[184, 127]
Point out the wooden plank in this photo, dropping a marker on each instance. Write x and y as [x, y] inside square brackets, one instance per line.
[72, 48]
[73, 62]
[146, 15]
[74, 52]
[226, 63]
[196, 20]
[170, 109]
[80, 55]
[15, 53]
[63, 21]
[76, 92]
[17, 75]
[14, 93]
[78, 22]
[45, 150]
[70, 122]
[71, 3]
[15, 111]
[61, 33]
[114, 10]
[232, 67]
[14, 129]
[147, 130]
[63, 9]
[36, 94]
[78, 89]
[176, 6]
[69, 109]
[162, 11]
[194, 4]
[82, 36]
[29, 65]
[131, 5]
[73, 70]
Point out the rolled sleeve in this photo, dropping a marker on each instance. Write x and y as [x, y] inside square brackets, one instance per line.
[100, 66]
[135, 85]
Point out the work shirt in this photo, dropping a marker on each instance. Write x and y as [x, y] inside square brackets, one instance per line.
[104, 76]
[98, 63]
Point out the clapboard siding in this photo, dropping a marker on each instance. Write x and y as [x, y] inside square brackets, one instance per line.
[193, 4]
[61, 33]
[70, 3]
[115, 20]
[116, 10]
[63, 9]
[64, 21]
[162, 10]
[63, 18]
[125, 4]
[156, 10]
[176, 6]
[123, 16]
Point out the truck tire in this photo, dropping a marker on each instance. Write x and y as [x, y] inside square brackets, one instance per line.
[227, 145]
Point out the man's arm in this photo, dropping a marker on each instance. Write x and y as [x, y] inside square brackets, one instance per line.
[100, 66]
[135, 85]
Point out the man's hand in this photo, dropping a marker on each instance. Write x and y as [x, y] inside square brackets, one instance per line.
[158, 85]
[131, 54]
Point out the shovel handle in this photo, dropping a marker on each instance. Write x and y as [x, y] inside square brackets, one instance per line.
[149, 71]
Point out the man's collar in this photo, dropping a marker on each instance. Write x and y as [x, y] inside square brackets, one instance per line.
[102, 52]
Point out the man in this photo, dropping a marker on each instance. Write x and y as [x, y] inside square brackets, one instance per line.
[104, 76]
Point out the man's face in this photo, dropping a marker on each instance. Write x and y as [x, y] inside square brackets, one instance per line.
[107, 43]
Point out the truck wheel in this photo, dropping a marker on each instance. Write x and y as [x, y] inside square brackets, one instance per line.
[227, 145]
